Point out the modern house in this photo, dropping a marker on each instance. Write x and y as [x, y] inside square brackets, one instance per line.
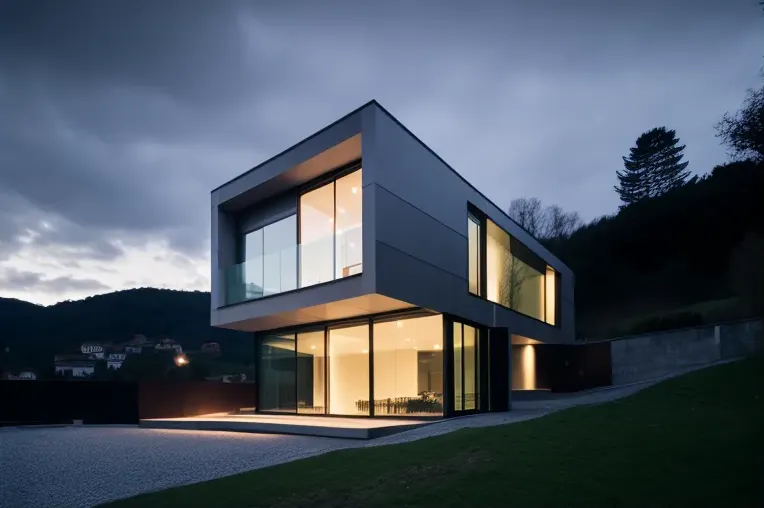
[376, 281]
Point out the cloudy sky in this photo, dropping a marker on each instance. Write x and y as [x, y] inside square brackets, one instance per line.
[117, 117]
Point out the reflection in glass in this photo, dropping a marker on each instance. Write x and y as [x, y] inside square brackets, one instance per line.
[469, 351]
[349, 370]
[458, 368]
[408, 367]
[317, 236]
[280, 262]
[348, 239]
[310, 372]
[270, 255]
[253, 268]
[277, 373]
[512, 282]
[473, 240]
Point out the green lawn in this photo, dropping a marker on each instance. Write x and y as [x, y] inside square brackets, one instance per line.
[697, 440]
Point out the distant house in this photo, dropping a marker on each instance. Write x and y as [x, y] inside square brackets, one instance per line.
[92, 349]
[115, 360]
[167, 344]
[74, 365]
[21, 375]
[137, 345]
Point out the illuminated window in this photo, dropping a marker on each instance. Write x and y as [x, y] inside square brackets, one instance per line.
[331, 237]
[408, 367]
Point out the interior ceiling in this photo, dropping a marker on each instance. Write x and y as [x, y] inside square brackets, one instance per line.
[337, 156]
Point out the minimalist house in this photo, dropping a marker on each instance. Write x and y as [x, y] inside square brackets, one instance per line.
[376, 281]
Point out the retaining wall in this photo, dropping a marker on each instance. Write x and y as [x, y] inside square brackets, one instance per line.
[649, 356]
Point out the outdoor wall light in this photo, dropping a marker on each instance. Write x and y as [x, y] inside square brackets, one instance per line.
[181, 360]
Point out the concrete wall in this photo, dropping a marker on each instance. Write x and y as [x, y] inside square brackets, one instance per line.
[650, 356]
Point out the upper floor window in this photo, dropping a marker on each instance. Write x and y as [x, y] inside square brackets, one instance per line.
[331, 231]
[515, 277]
[473, 240]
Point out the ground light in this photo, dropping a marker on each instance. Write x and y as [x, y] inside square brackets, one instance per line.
[181, 360]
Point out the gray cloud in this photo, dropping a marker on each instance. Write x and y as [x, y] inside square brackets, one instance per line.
[15, 280]
[119, 117]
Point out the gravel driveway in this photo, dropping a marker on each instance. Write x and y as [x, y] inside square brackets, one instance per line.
[82, 466]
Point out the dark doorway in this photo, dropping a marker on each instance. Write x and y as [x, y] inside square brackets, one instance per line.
[498, 369]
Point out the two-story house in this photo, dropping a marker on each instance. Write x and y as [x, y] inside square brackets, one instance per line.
[376, 281]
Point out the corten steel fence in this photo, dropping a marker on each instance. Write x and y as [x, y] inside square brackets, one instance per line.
[115, 402]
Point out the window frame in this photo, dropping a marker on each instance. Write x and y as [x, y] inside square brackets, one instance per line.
[521, 252]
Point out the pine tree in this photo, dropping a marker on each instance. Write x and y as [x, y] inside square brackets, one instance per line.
[654, 166]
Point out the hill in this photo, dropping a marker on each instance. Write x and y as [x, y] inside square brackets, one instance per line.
[34, 334]
[667, 253]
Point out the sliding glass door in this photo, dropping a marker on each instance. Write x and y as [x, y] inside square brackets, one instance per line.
[466, 367]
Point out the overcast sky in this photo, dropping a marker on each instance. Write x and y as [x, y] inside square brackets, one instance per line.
[117, 118]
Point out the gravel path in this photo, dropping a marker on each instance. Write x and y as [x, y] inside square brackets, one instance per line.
[70, 467]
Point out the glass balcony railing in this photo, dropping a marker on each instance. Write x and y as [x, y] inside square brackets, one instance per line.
[297, 266]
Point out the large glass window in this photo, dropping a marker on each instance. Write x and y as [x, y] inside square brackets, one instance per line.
[466, 367]
[348, 235]
[311, 370]
[473, 241]
[270, 255]
[408, 367]
[512, 282]
[331, 231]
[349, 370]
[277, 373]
[317, 236]
[551, 296]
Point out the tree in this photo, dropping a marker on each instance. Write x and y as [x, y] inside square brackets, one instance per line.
[743, 132]
[544, 222]
[653, 167]
[529, 214]
[561, 224]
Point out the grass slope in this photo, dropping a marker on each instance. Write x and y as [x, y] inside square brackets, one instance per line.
[697, 440]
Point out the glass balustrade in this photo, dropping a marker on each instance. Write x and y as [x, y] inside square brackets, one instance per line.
[298, 266]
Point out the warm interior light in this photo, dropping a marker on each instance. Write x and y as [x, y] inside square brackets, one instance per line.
[399, 324]
[181, 360]
[437, 346]
[312, 347]
[365, 351]
[354, 190]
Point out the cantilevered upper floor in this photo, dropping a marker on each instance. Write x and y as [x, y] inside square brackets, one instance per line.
[363, 218]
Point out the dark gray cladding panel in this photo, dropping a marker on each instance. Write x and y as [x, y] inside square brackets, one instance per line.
[407, 278]
[406, 168]
[402, 226]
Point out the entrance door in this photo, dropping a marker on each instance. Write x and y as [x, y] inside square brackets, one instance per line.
[498, 369]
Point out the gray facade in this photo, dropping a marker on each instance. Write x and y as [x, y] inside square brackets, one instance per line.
[414, 242]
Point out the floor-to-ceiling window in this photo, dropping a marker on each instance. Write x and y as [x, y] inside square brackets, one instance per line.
[311, 373]
[349, 370]
[277, 372]
[317, 236]
[408, 366]
[348, 234]
[466, 367]
[331, 231]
